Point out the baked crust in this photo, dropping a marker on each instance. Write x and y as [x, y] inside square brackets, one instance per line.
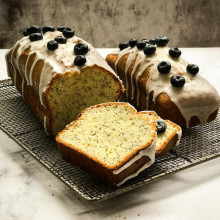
[88, 164]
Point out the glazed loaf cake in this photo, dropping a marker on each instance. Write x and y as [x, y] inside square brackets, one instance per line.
[110, 140]
[157, 78]
[168, 133]
[59, 75]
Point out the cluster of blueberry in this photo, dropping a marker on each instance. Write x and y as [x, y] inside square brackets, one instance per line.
[148, 46]
[164, 67]
[67, 33]
[34, 33]
[80, 49]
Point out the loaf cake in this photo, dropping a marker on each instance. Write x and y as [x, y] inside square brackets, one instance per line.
[111, 140]
[168, 133]
[59, 75]
[157, 78]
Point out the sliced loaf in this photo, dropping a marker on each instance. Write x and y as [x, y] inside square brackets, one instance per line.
[111, 140]
[59, 82]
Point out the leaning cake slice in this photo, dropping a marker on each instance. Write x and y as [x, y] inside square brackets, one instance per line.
[168, 133]
[111, 140]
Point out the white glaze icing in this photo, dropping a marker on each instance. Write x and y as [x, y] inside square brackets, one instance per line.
[58, 61]
[196, 98]
[25, 70]
[179, 134]
[149, 152]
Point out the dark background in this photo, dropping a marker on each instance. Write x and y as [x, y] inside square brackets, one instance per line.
[194, 23]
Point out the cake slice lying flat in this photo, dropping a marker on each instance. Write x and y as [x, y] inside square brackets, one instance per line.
[168, 135]
[111, 140]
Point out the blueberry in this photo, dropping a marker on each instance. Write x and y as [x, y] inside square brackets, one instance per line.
[61, 28]
[35, 36]
[60, 39]
[68, 32]
[177, 81]
[48, 29]
[33, 29]
[146, 41]
[122, 46]
[161, 41]
[149, 49]
[25, 33]
[152, 41]
[161, 126]
[79, 60]
[175, 52]
[81, 48]
[141, 45]
[192, 68]
[52, 45]
[164, 67]
[133, 42]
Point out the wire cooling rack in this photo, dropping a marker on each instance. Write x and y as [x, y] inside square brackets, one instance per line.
[198, 144]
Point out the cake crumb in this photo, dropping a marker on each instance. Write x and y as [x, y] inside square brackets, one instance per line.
[138, 214]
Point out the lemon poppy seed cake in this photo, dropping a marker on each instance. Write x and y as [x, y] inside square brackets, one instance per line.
[59, 75]
[111, 140]
[168, 133]
[158, 78]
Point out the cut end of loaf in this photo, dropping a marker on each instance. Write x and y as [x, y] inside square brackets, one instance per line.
[70, 93]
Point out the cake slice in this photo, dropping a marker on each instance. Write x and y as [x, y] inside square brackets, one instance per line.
[111, 140]
[168, 133]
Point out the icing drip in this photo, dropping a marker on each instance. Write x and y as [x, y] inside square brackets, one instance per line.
[179, 134]
[25, 71]
[149, 151]
[30, 77]
[132, 54]
[45, 123]
[22, 88]
[13, 50]
[196, 98]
